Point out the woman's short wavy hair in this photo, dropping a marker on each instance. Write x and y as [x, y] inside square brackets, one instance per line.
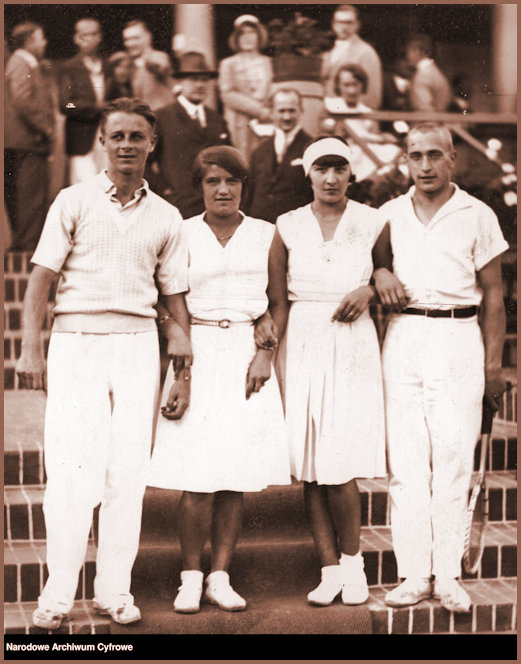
[358, 73]
[223, 156]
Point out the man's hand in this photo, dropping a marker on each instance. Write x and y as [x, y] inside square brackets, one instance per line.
[266, 333]
[179, 348]
[495, 385]
[390, 289]
[31, 369]
[178, 399]
[353, 305]
[259, 372]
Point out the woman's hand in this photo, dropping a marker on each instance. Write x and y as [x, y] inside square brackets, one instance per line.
[259, 372]
[266, 334]
[179, 348]
[178, 400]
[353, 305]
[390, 289]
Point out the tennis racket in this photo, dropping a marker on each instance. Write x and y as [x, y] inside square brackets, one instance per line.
[477, 510]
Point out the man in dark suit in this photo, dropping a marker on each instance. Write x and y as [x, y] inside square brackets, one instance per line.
[184, 128]
[28, 135]
[278, 183]
[82, 91]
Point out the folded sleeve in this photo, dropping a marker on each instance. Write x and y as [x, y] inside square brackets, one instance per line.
[57, 235]
[172, 271]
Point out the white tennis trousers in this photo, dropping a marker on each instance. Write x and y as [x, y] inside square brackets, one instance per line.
[433, 371]
[102, 391]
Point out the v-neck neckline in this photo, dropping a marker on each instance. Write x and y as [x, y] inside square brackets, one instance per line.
[222, 246]
[319, 229]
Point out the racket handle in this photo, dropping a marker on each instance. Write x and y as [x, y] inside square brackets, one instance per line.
[487, 416]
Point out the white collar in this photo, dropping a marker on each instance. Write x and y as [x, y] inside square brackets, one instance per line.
[283, 139]
[195, 111]
[110, 188]
[424, 63]
[28, 57]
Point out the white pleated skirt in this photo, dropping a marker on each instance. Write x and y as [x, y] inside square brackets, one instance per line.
[332, 382]
[223, 442]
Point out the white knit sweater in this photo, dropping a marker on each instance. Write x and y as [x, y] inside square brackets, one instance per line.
[107, 256]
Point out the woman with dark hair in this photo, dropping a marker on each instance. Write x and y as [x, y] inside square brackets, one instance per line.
[118, 76]
[321, 262]
[244, 82]
[350, 83]
[222, 429]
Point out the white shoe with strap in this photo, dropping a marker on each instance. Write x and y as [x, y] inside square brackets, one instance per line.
[50, 617]
[354, 588]
[220, 592]
[328, 588]
[189, 596]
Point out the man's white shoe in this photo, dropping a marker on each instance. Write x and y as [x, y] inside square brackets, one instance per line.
[50, 618]
[189, 596]
[411, 591]
[220, 592]
[354, 589]
[329, 587]
[452, 596]
[122, 610]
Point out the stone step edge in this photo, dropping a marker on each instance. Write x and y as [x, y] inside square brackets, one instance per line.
[427, 617]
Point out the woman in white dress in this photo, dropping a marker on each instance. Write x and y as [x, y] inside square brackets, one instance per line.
[321, 262]
[245, 82]
[228, 435]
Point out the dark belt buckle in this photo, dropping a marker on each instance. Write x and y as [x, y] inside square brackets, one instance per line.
[224, 324]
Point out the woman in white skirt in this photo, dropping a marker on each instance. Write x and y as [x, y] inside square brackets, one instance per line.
[321, 262]
[226, 434]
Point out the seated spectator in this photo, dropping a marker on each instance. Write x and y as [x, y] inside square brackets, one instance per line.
[278, 183]
[396, 86]
[118, 76]
[244, 82]
[349, 48]
[184, 128]
[430, 89]
[350, 83]
[151, 78]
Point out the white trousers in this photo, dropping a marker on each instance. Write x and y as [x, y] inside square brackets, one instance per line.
[102, 391]
[433, 371]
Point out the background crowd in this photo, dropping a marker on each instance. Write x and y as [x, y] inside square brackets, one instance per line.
[52, 110]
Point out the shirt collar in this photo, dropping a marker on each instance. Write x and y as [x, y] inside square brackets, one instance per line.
[110, 188]
[459, 199]
[424, 63]
[284, 139]
[28, 57]
[190, 108]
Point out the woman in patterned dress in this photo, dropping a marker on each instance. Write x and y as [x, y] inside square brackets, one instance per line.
[244, 82]
[227, 436]
[321, 262]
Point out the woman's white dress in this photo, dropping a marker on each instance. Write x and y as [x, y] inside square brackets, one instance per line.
[223, 441]
[330, 371]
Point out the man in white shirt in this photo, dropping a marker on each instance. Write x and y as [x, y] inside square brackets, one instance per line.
[111, 240]
[350, 49]
[82, 92]
[437, 363]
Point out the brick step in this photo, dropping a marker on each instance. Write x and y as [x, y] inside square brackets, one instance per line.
[267, 563]
[266, 512]
[25, 572]
[494, 611]
[24, 413]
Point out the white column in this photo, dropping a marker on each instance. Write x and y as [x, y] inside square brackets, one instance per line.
[504, 49]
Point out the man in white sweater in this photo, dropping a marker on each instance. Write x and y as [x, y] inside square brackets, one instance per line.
[111, 240]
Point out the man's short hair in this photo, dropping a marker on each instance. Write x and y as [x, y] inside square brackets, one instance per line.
[128, 105]
[346, 8]
[358, 74]
[137, 21]
[423, 42]
[85, 19]
[22, 33]
[285, 91]
[427, 127]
